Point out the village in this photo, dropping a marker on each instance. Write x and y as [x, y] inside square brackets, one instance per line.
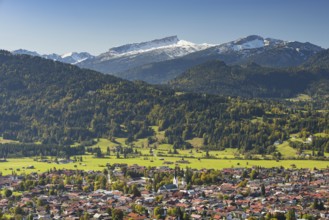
[139, 192]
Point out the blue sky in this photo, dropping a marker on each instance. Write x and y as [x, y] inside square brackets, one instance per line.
[60, 26]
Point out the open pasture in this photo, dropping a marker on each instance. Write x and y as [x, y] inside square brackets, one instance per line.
[19, 165]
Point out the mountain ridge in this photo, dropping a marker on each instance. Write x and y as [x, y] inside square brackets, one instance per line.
[122, 58]
[263, 51]
[71, 57]
[161, 60]
[144, 45]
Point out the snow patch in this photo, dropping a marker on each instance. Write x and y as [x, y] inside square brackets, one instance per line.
[257, 43]
[67, 55]
[244, 45]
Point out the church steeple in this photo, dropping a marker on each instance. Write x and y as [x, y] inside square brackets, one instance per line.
[175, 181]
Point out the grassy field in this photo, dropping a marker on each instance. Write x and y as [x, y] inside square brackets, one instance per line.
[286, 150]
[163, 149]
[90, 163]
[220, 159]
[15, 193]
[158, 134]
[301, 97]
[103, 143]
[5, 141]
[196, 142]
[321, 135]
[296, 138]
[289, 152]
[309, 152]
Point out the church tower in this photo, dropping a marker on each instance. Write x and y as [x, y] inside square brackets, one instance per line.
[175, 181]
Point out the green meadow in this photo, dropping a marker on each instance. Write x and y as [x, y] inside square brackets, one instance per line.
[19, 165]
[5, 141]
[161, 155]
[286, 150]
[162, 149]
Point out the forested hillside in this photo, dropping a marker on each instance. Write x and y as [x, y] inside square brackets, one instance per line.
[252, 80]
[56, 103]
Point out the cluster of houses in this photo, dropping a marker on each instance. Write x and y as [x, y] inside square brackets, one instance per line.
[273, 192]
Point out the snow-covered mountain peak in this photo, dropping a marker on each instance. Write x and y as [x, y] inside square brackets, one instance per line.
[172, 46]
[257, 43]
[122, 58]
[247, 39]
[249, 42]
[74, 57]
[143, 46]
[273, 42]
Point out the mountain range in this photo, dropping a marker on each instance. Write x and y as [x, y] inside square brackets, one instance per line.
[71, 58]
[123, 58]
[160, 61]
[252, 49]
[127, 56]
